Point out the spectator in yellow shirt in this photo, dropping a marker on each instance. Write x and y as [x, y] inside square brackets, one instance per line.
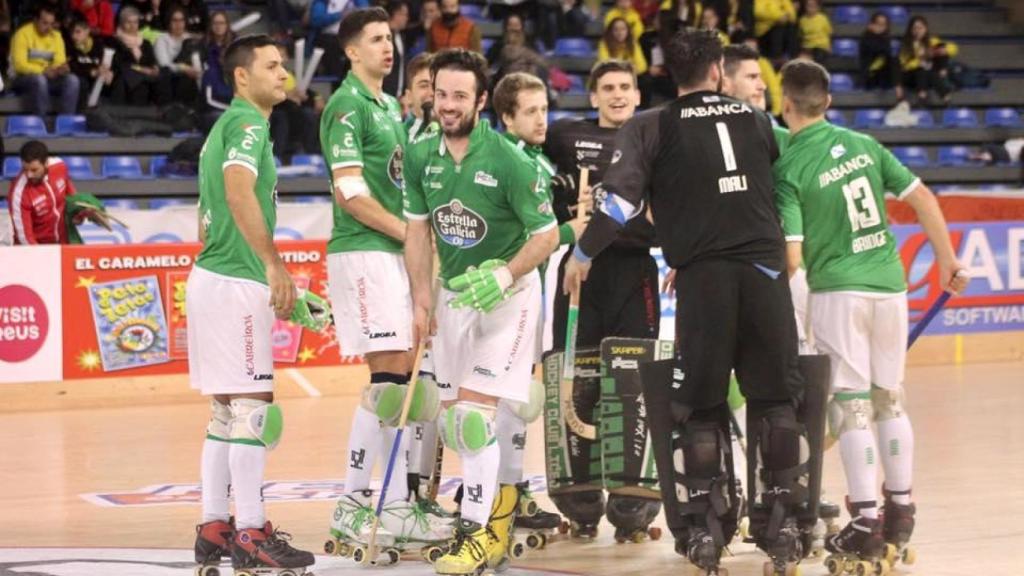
[624, 9]
[40, 65]
[924, 60]
[775, 29]
[618, 43]
[815, 32]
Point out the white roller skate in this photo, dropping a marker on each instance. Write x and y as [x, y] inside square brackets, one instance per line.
[417, 527]
[350, 531]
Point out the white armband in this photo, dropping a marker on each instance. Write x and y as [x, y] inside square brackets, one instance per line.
[351, 186]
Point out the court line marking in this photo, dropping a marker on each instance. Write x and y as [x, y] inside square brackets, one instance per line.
[303, 382]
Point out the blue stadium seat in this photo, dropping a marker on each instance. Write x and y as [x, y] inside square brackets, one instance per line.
[912, 156]
[898, 15]
[845, 47]
[158, 203]
[1006, 117]
[79, 167]
[954, 156]
[869, 118]
[3, 205]
[924, 118]
[121, 167]
[310, 199]
[849, 14]
[842, 83]
[836, 117]
[555, 115]
[472, 11]
[12, 166]
[310, 160]
[894, 46]
[959, 118]
[485, 44]
[22, 125]
[577, 84]
[574, 47]
[120, 203]
[71, 125]
[995, 187]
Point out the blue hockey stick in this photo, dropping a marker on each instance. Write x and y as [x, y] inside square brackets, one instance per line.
[928, 317]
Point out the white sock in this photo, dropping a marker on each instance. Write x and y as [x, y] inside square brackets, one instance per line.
[896, 444]
[510, 430]
[216, 480]
[860, 462]
[428, 450]
[398, 487]
[480, 481]
[364, 442]
[247, 466]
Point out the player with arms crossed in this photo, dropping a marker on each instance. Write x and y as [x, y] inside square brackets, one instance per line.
[704, 161]
[492, 221]
[363, 140]
[235, 275]
[831, 196]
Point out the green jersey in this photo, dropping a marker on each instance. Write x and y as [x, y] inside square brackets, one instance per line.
[782, 138]
[547, 172]
[830, 191]
[414, 128]
[359, 129]
[241, 137]
[482, 208]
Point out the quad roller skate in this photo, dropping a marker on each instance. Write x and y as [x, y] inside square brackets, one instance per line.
[785, 552]
[632, 517]
[582, 509]
[826, 525]
[533, 526]
[897, 526]
[266, 552]
[857, 548]
[403, 526]
[702, 552]
[213, 542]
[467, 552]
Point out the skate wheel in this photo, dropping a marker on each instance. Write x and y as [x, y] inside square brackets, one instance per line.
[563, 528]
[863, 568]
[531, 508]
[287, 572]
[392, 557]
[359, 554]
[654, 532]
[433, 553]
[207, 570]
[909, 556]
[518, 550]
[890, 554]
[243, 573]
[834, 565]
[638, 537]
[331, 547]
[745, 527]
[792, 570]
[534, 541]
[881, 567]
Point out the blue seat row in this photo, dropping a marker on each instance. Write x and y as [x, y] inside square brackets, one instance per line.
[868, 118]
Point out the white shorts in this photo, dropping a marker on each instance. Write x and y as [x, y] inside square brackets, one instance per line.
[864, 335]
[371, 302]
[491, 353]
[230, 323]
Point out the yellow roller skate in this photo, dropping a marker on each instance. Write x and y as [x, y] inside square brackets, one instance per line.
[503, 515]
[467, 552]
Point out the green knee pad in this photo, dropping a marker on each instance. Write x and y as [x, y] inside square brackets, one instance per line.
[849, 411]
[387, 399]
[256, 422]
[530, 410]
[467, 427]
[735, 399]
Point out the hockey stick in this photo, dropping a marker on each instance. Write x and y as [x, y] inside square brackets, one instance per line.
[578, 426]
[371, 544]
[927, 318]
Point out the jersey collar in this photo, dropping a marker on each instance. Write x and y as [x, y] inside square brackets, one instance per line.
[353, 83]
[476, 137]
[811, 130]
[243, 104]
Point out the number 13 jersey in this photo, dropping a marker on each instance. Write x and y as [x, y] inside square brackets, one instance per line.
[831, 192]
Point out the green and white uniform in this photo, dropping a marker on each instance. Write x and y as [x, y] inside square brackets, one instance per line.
[414, 128]
[368, 284]
[547, 171]
[831, 187]
[483, 208]
[226, 298]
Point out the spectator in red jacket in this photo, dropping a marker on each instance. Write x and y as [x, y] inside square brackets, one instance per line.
[98, 13]
[37, 197]
[453, 30]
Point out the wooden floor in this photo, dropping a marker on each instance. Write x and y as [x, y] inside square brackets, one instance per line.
[69, 447]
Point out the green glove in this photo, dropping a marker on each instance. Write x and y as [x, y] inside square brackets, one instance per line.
[482, 288]
[311, 311]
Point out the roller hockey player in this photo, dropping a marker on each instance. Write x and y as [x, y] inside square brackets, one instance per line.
[621, 300]
[489, 211]
[831, 187]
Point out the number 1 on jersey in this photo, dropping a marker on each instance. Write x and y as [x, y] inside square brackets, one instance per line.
[726, 142]
[860, 204]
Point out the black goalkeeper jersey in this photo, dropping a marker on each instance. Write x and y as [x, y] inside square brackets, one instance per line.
[705, 163]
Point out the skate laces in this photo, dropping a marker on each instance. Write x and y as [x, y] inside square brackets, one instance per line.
[466, 540]
[277, 540]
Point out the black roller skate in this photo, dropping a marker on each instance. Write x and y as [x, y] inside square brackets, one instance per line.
[584, 509]
[857, 548]
[266, 552]
[785, 551]
[533, 525]
[213, 542]
[897, 526]
[632, 517]
[703, 553]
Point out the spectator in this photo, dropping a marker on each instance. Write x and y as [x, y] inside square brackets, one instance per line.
[513, 28]
[924, 61]
[40, 65]
[177, 76]
[85, 57]
[710, 20]
[648, 11]
[416, 35]
[324, 21]
[546, 16]
[398, 19]
[517, 56]
[624, 9]
[676, 14]
[38, 195]
[453, 30]
[98, 13]
[1006, 153]
[197, 16]
[282, 14]
[217, 93]
[149, 13]
[878, 67]
[295, 123]
[136, 71]
[815, 32]
[618, 43]
[775, 28]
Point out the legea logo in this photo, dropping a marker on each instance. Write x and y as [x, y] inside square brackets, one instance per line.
[24, 323]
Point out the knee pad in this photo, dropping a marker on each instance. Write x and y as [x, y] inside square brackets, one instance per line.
[531, 409]
[704, 487]
[219, 427]
[256, 422]
[849, 411]
[385, 399]
[468, 427]
[887, 404]
[784, 453]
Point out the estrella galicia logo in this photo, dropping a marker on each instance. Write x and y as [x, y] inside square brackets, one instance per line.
[395, 167]
[459, 226]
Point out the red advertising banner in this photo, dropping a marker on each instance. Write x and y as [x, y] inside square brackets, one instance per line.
[987, 208]
[124, 309]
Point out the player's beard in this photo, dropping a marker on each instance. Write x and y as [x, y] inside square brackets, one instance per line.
[464, 128]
